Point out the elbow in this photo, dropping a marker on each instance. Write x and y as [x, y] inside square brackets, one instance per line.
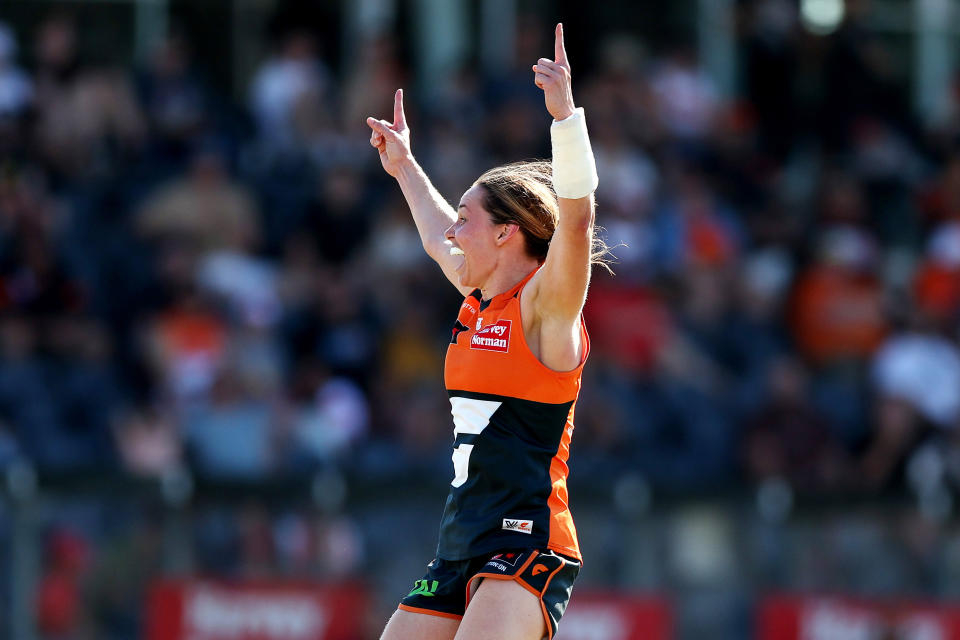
[583, 222]
[587, 221]
[435, 249]
[430, 249]
[578, 214]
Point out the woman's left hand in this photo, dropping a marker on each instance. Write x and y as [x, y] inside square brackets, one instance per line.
[553, 76]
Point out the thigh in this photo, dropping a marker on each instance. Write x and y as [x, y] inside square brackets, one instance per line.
[407, 625]
[502, 609]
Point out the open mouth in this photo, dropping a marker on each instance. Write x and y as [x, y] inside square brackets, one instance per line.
[456, 251]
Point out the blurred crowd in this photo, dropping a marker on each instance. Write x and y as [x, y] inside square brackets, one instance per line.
[236, 288]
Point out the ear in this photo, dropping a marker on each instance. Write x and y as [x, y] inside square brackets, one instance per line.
[507, 231]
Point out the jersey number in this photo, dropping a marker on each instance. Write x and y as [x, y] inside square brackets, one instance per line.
[470, 416]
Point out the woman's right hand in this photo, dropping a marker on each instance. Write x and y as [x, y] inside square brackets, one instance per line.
[392, 141]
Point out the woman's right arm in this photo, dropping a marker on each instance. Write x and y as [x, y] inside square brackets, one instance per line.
[431, 213]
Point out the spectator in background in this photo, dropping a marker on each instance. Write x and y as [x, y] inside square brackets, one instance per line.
[789, 439]
[756, 336]
[837, 306]
[288, 87]
[148, 442]
[921, 368]
[233, 434]
[628, 192]
[34, 276]
[452, 155]
[9, 445]
[205, 208]
[244, 283]
[349, 339]
[621, 90]
[685, 99]
[410, 349]
[88, 120]
[58, 392]
[25, 403]
[175, 100]
[836, 315]
[394, 245]
[121, 571]
[16, 87]
[328, 415]
[683, 412]
[936, 284]
[256, 544]
[897, 430]
[693, 227]
[86, 392]
[887, 166]
[940, 200]
[915, 377]
[339, 219]
[186, 344]
[59, 602]
[514, 109]
[375, 74]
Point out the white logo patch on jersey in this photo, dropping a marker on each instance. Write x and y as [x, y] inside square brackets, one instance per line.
[520, 526]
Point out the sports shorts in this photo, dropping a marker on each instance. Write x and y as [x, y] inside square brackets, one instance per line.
[448, 585]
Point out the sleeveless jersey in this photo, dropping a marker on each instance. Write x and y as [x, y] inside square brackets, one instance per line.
[513, 420]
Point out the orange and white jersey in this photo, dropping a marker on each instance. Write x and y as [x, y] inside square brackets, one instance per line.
[513, 421]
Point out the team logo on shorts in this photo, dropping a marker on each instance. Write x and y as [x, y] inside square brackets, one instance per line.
[424, 588]
[520, 526]
[494, 337]
[507, 558]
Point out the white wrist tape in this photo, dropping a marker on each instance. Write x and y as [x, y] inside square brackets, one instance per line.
[574, 169]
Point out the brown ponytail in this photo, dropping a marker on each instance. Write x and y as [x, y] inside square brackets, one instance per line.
[522, 193]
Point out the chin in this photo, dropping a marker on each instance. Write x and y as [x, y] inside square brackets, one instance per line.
[464, 280]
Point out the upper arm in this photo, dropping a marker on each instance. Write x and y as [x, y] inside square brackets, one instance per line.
[559, 289]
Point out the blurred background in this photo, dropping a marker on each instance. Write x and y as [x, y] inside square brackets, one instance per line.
[221, 402]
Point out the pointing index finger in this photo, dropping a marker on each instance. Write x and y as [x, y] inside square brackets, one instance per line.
[560, 52]
[399, 118]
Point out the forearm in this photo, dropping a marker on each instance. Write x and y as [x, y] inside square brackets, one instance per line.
[574, 173]
[574, 168]
[431, 213]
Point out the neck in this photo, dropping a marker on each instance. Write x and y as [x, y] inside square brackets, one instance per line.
[505, 276]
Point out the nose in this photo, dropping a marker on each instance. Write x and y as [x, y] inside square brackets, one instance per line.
[448, 234]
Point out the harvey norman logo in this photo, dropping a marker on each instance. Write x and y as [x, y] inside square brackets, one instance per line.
[522, 526]
[212, 612]
[494, 337]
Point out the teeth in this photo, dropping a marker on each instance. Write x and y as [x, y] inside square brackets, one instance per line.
[456, 251]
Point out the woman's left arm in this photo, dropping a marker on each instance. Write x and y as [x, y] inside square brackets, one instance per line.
[559, 289]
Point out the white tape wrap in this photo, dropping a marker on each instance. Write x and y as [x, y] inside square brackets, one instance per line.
[574, 169]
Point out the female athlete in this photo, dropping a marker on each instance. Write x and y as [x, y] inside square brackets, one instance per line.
[519, 247]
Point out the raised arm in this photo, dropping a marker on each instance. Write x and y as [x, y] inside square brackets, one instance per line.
[559, 290]
[431, 213]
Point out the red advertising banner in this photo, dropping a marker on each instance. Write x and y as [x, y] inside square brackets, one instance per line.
[839, 618]
[213, 610]
[599, 615]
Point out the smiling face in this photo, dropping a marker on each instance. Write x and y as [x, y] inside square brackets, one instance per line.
[476, 236]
